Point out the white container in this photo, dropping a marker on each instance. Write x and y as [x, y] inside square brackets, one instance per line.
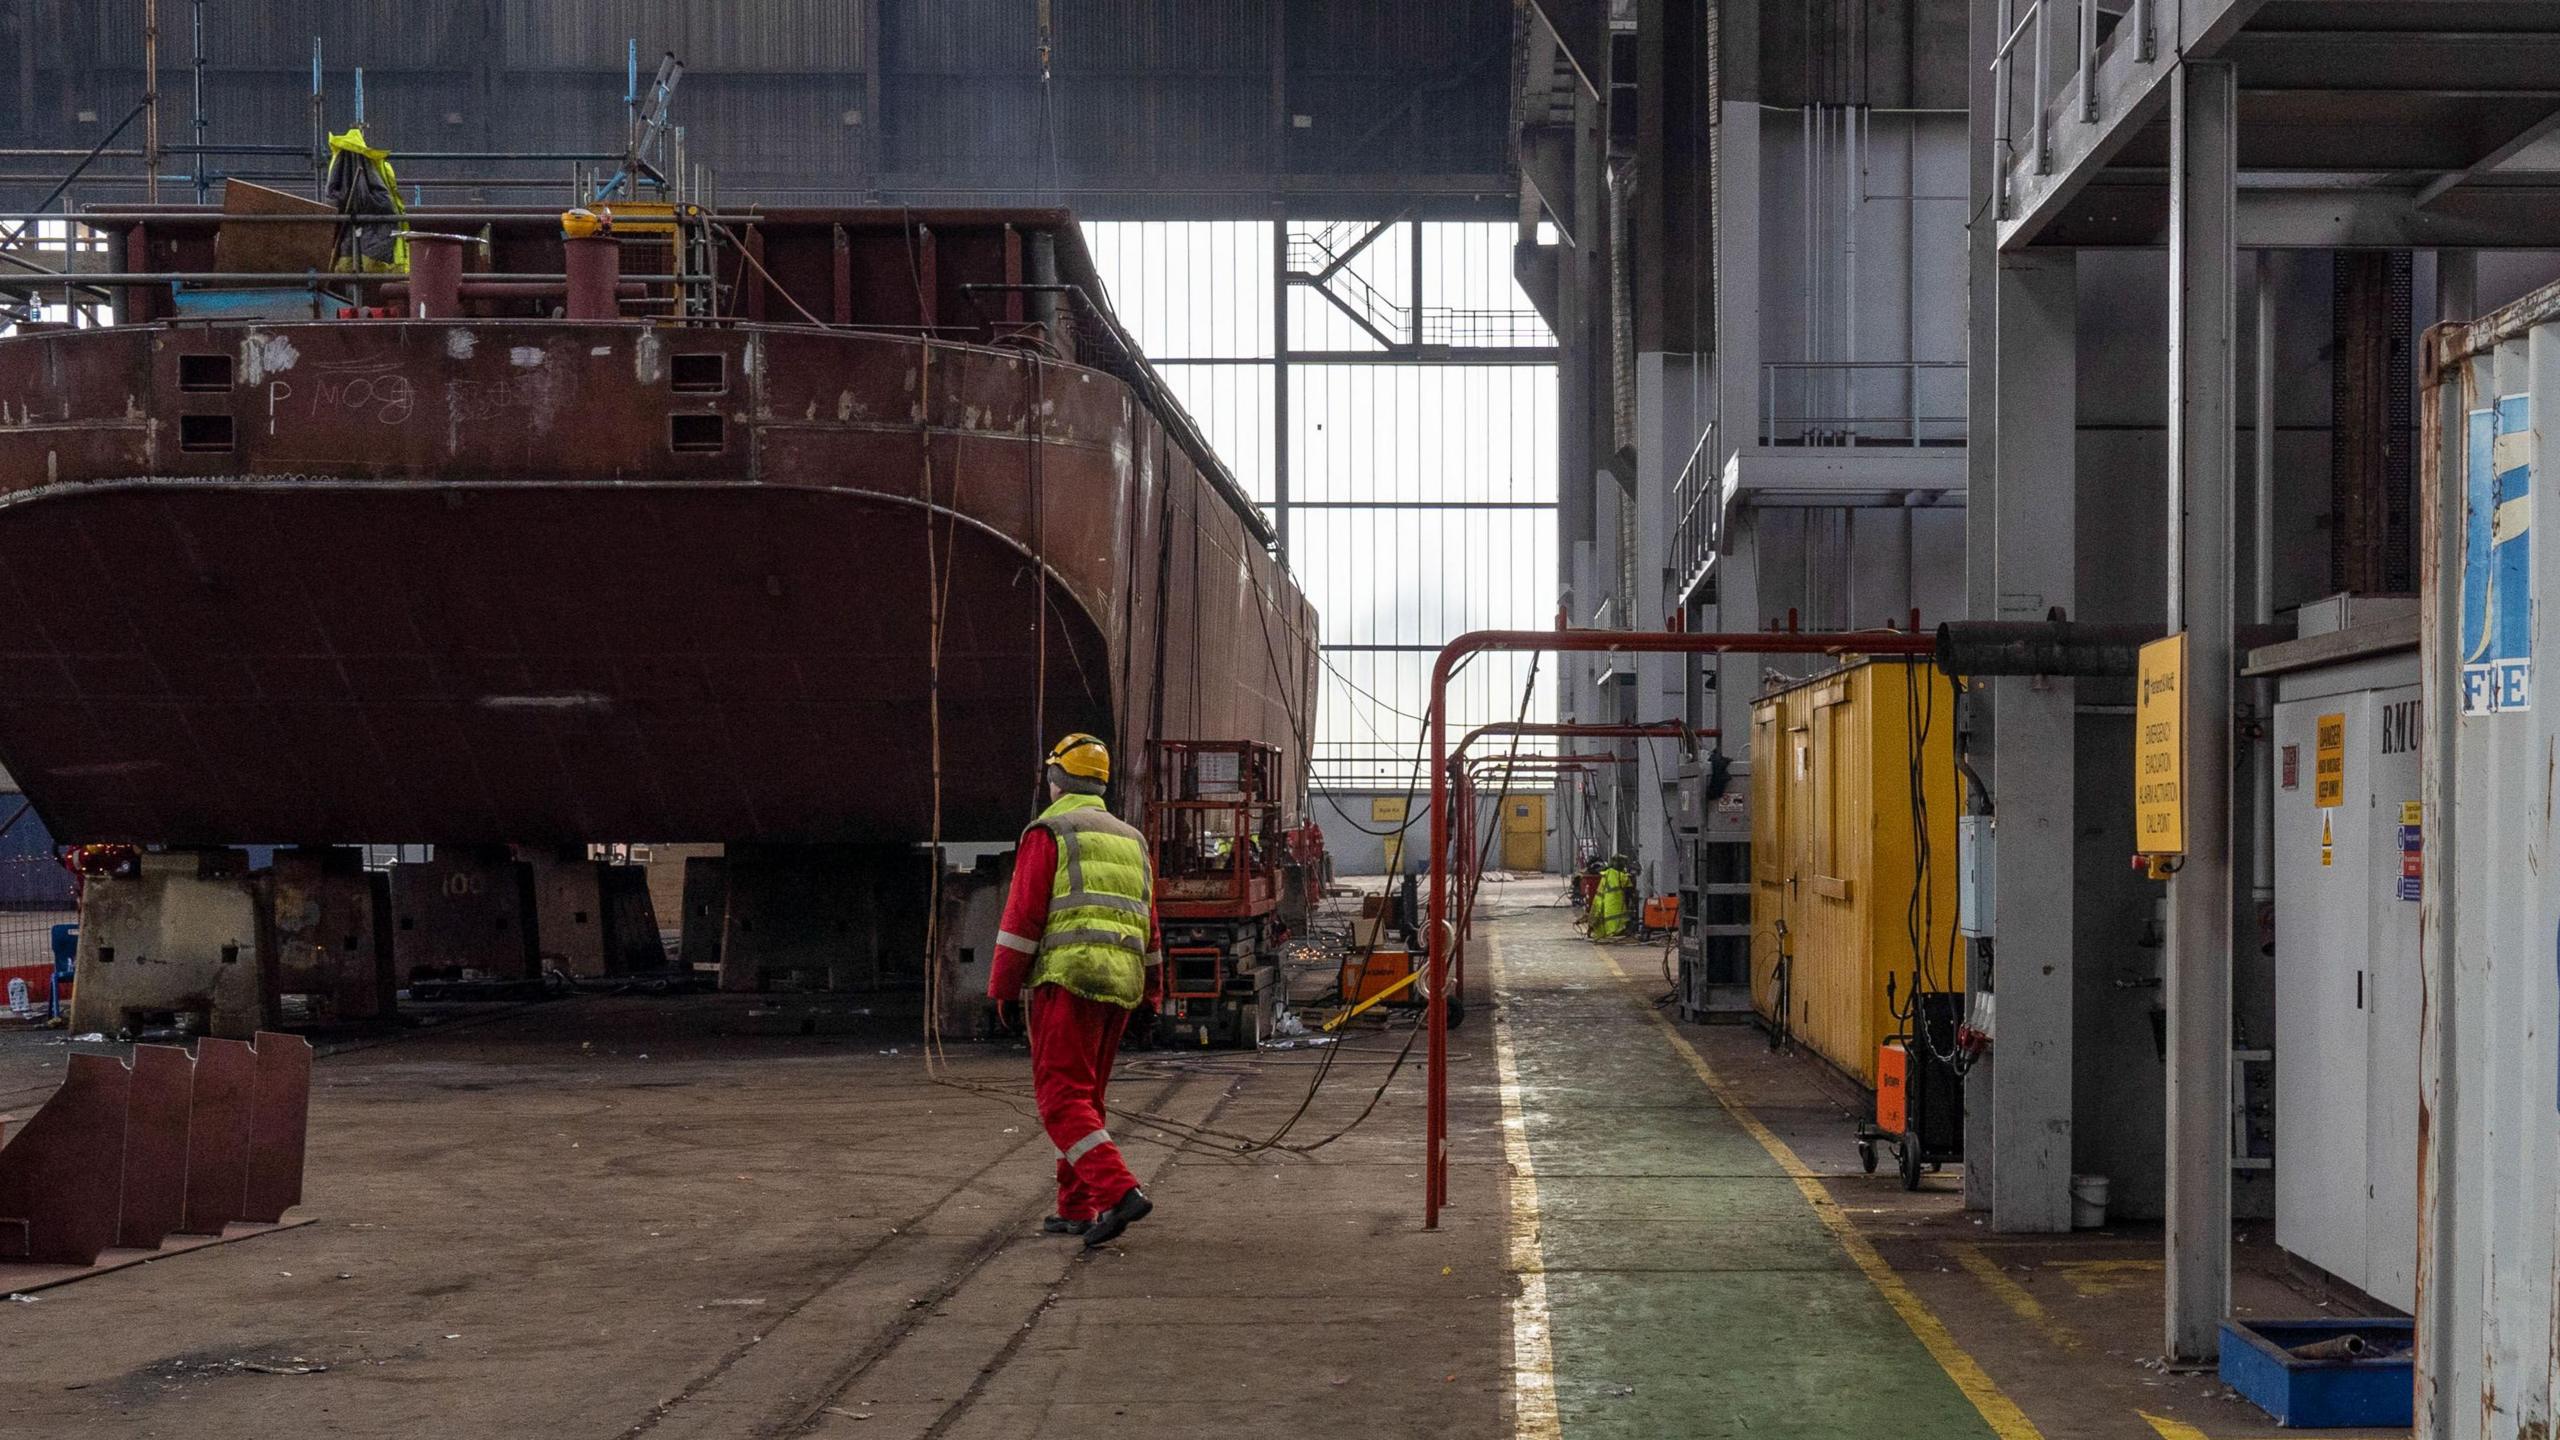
[17, 997]
[2088, 1202]
[2488, 1150]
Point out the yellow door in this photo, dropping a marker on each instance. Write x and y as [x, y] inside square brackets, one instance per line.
[1524, 833]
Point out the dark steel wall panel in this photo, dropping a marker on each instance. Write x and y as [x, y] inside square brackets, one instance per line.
[1156, 106]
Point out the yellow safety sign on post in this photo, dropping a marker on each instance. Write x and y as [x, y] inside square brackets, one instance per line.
[2160, 750]
[2328, 843]
[2329, 771]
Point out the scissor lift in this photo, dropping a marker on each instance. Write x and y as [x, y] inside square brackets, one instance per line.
[1214, 831]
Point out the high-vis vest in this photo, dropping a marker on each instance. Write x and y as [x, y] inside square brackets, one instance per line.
[1095, 942]
[1609, 906]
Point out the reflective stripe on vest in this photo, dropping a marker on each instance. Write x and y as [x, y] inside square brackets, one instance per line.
[1095, 941]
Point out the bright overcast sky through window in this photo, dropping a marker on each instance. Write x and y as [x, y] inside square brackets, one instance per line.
[1422, 494]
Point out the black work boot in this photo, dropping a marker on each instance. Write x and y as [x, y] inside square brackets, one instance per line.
[1128, 1210]
[1061, 1225]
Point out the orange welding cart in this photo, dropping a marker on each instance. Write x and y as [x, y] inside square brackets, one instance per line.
[1661, 915]
[1366, 974]
[1919, 1094]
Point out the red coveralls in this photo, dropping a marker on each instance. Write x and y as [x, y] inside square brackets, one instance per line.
[1074, 1041]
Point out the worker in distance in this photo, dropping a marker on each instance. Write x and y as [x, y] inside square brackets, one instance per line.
[1080, 934]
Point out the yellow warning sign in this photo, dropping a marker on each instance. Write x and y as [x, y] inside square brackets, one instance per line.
[2160, 750]
[2328, 843]
[2412, 812]
[1384, 808]
[2329, 770]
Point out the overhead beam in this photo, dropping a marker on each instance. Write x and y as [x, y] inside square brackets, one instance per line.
[2118, 214]
[2394, 59]
[2435, 189]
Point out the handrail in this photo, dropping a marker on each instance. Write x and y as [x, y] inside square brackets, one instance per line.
[1697, 510]
[2014, 26]
[1854, 421]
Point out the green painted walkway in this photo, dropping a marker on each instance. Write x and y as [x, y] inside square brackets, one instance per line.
[1692, 1289]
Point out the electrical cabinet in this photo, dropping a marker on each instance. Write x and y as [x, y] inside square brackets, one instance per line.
[2348, 841]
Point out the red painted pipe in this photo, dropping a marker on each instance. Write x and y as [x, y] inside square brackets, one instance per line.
[1845, 643]
[595, 277]
[1651, 729]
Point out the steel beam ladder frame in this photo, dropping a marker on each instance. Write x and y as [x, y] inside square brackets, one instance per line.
[1890, 644]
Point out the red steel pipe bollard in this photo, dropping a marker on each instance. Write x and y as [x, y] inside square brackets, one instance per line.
[435, 277]
[595, 277]
[1888, 643]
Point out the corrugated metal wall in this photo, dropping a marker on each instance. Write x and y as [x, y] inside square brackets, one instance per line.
[1168, 102]
[2489, 1147]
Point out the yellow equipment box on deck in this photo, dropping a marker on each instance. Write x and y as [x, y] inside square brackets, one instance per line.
[1833, 854]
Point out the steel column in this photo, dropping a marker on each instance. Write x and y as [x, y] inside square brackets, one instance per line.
[1280, 382]
[2203, 262]
[2032, 759]
[1984, 125]
[2260, 755]
[2449, 1294]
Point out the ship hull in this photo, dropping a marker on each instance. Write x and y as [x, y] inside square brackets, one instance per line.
[507, 582]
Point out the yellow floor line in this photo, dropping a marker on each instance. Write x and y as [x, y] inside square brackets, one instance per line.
[1533, 1374]
[2171, 1429]
[2002, 1414]
[2014, 1295]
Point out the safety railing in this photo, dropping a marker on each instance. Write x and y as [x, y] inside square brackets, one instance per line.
[1484, 329]
[1697, 510]
[1853, 403]
[2035, 26]
[1318, 253]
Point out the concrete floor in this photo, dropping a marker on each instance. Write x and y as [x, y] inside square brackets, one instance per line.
[674, 1217]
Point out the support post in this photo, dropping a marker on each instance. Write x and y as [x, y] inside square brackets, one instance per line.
[151, 100]
[2203, 259]
[2260, 756]
[2035, 717]
[1280, 382]
[2449, 1293]
[1981, 588]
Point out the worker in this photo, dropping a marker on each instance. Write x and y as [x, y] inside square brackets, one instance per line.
[1610, 906]
[1079, 932]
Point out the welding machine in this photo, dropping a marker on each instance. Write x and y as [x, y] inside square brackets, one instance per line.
[1919, 1093]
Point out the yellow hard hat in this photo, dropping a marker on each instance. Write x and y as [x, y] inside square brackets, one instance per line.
[1083, 756]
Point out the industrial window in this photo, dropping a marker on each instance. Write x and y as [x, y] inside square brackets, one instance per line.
[698, 374]
[204, 372]
[1420, 485]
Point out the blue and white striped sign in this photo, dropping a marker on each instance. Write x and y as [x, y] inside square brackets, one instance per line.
[2497, 562]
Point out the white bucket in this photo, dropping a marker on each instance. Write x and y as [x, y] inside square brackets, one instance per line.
[2088, 1202]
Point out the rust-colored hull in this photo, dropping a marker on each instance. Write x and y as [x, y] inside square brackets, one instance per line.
[475, 581]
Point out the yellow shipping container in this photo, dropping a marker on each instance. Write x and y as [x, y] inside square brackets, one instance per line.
[1834, 853]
